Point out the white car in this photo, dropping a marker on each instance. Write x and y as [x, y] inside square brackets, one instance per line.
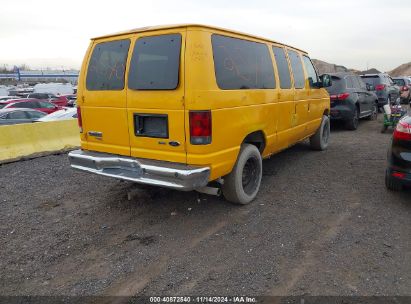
[5, 98]
[54, 88]
[66, 113]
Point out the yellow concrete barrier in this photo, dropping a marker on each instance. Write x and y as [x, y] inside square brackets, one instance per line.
[24, 140]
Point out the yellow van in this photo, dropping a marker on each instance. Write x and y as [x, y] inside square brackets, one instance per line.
[190, 106]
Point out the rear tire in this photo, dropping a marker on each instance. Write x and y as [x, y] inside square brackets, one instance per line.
[391, 183]
[242, 184]
[374, 114]
[352, 124]
[319, 141]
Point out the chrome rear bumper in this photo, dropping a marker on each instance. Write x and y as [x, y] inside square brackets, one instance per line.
[151, 172]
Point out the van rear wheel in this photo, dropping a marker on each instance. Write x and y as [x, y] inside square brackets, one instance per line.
[319, 141]
[242, 184]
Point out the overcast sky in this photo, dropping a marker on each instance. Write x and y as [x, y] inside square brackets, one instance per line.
[353, 33]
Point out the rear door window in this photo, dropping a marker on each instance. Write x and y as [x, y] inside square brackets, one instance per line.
[349, 81]
[26, 104]
[155, 64]
[107, 66]
[372, 80]
[38, 96]
[46, 105]
[242, 64]
[283, 68]
[33, 114]
[362, 83]
[355, 82]
[297, 67]
[338, 85]
[17, 115]
[29, 105]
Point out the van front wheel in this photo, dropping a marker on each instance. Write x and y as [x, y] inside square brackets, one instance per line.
[319, 141]
[242, 184]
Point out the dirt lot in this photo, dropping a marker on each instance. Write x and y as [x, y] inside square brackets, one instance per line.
[323, 224]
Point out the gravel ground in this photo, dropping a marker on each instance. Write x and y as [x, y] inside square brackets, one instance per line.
[323, 224]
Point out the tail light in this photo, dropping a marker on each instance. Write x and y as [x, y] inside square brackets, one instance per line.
[79, 119]
[402, 131]
[200, 127]
[342, 96]
[380, 87]
[399, 175]
[404, 88]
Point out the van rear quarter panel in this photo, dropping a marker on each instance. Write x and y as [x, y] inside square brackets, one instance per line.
[235, 113]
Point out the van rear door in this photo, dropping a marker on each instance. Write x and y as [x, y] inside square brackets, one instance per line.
[155, 96]
[103, 101]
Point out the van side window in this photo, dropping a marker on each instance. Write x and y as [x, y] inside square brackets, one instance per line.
[297, 67]
[311, 72]
[155, 64]
[107, 66]
[283, 68]
[242, 64]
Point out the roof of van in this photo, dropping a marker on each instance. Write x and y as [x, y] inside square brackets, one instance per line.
[171, 26]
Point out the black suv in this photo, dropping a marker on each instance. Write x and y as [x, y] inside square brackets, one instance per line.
[351, 99]
[384, 87]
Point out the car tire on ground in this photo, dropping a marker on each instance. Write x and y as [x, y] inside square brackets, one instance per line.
[242, 184]
[374, 114]
[352, 124]
[319, 141]
[391, 183]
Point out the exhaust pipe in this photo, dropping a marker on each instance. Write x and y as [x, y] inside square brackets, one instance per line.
[209, 190]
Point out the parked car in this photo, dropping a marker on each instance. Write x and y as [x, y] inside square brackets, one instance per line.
[54, 88]
[405, 88]
[384, 86]
[66, 113]
[5, 98]
[36, 104]
[17, 116]
[60, 101]
[4, 90]
[72, 99]
[351, 99]
[201, 109]
[398, 173]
